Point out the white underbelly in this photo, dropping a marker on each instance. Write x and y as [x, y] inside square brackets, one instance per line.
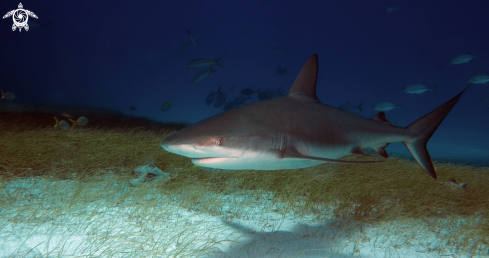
[272, 161]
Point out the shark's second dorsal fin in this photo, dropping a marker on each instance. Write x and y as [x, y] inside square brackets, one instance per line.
[305, 83]
[380, 117]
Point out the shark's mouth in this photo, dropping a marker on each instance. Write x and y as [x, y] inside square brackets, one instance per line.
[208, 158]
[203, 159]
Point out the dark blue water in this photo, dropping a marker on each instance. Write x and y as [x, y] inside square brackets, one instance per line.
[118, 54]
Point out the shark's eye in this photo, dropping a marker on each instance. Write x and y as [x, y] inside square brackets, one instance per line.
[219, 141]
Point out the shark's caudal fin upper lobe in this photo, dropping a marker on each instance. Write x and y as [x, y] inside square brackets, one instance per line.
[423, 129]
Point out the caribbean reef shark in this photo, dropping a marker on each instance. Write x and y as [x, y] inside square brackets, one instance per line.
[298, 131]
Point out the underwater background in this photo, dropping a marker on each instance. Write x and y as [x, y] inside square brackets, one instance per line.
[132, 57]
[120, 76]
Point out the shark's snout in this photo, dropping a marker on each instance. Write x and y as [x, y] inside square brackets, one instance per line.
[173, 145]
[186, 150]
[180, 147]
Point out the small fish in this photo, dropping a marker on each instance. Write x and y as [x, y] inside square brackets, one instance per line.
[249, 91]
[479, 79]
[81, 121]
[418, 89]
[270, 94]
[132, 108]
[220, 99]
[282, 71]
[385, 106]
[462, 59]
[61, 124]
[199, 77]
[350, 107]
[192, 40]
[7, 95]
[181, 50]
[228, 105]
[240, 100]
[166, 106]
[202, 62]
[212, 96]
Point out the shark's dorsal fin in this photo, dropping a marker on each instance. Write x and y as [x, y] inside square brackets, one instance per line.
[380, 117]
[305, 83]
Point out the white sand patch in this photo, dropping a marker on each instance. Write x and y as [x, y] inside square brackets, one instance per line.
[41, 218]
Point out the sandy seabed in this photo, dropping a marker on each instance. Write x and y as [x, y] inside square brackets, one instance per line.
[51, 218]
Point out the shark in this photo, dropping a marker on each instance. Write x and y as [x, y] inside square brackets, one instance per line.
[298, 131]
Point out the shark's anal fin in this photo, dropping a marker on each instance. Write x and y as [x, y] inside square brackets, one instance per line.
[381, 150]
[291, 153]
[380, 117]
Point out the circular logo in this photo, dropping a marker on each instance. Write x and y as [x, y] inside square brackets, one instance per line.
[20, 17]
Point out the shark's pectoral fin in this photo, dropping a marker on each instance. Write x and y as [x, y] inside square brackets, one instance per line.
[291, 153]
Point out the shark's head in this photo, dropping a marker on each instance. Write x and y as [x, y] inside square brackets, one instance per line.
[230, 140]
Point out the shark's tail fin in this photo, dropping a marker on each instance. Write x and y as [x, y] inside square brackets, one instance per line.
[422, 130]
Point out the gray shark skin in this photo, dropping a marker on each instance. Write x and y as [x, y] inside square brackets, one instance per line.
[298, 131]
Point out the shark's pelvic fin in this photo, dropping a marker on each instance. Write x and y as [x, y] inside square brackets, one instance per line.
[291, 153]
[422, 130]
[359, 151]
[305, 83]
